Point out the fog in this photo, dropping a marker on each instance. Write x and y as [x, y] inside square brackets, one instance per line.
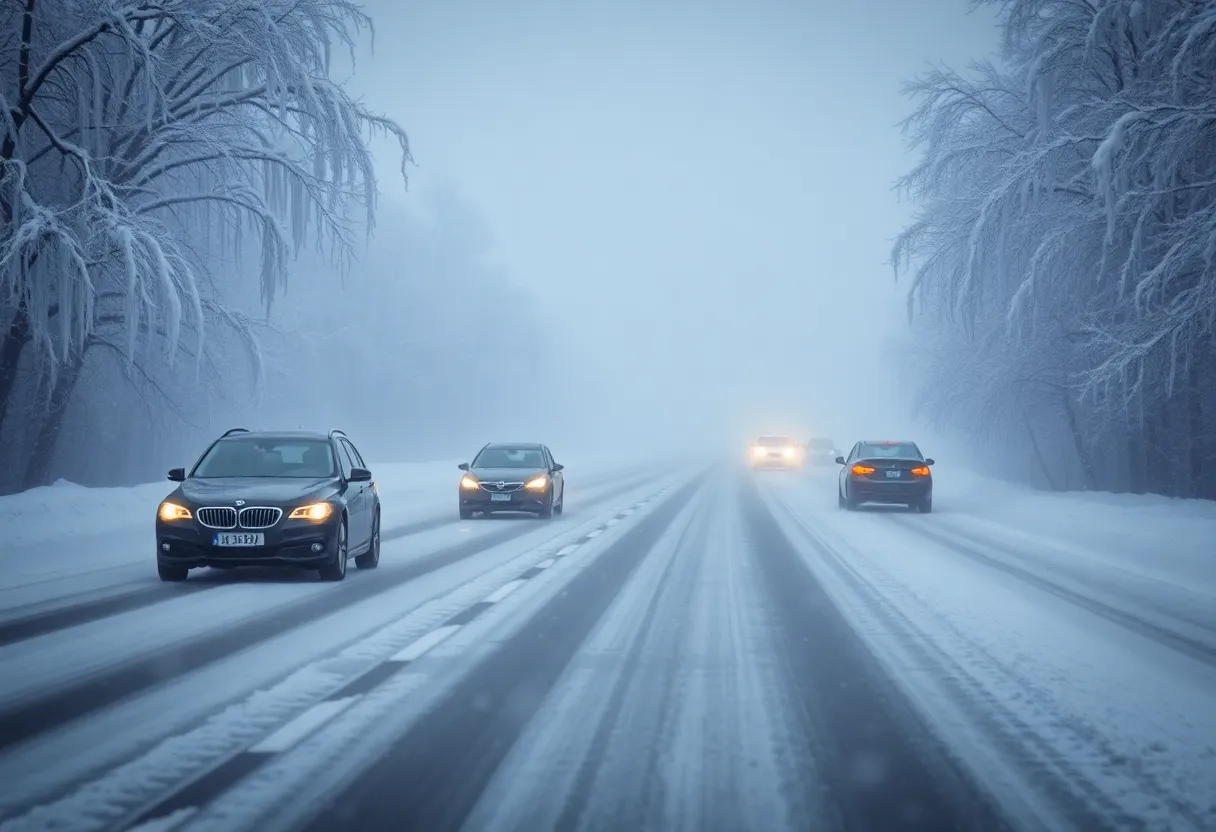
[699, 196]
[599, 226]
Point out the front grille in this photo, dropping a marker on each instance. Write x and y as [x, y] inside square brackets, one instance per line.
[220, 517]
[501, 487]
[260, 517]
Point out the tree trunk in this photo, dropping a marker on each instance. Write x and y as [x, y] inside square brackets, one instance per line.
[1078, 441]
[18, 335]
[1034, 443]
[38, 467]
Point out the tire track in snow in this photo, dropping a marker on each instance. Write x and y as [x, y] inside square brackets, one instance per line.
[883, 768]
[1189, 638]
[431, 777]
[1041, 783]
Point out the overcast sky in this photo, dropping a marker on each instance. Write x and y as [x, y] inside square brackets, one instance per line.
[695, 191]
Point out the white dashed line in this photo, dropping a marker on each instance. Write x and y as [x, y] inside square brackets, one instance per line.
[503, 591]
[613, 521]
[546, 563]
[595, 533]
[565, 550]
[427, 643]
[303, 725]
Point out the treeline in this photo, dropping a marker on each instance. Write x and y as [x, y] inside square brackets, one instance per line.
[1062, 261]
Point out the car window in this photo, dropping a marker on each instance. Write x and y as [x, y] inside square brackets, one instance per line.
[890, 450]
[354, 453]
[266, 457]
[344, 458]
[510, 458]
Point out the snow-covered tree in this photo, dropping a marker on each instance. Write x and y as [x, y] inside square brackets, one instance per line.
[1067, 204]
[138, 139]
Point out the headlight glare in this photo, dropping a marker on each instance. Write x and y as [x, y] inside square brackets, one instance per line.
[172, 511]
[538, 483]
[468, 483]
[315, 512]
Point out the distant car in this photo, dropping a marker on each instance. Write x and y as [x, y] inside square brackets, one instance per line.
[821, 452]
[271, 499]
[516, 476]
[885, 472]
[776, 452]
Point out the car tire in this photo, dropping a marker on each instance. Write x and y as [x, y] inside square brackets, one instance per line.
[466, 514]
[371, 558]
[561, 505]
[850, 502]
[336, 569]
[925, 506]
[172, 574]
[839, 497]
[546, 513]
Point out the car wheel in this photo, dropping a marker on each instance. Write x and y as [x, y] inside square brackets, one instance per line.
[561, 505]
[839, 497]
[925, 505]
[850, 502]
[371, 558]
[336, 569]
[172, 573]
[547, 512]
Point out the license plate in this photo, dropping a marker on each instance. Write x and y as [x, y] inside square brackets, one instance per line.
[500, 498]
[239, 539]
[894, 475]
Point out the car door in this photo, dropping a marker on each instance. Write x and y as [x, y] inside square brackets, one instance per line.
[844, 471]
[357, 533]
[558, 477]
[369, 489]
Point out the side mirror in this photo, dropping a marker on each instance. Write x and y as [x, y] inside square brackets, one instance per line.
[464, 466]
[928, 462]
[840, 460]
[558, 467]
[177, 475]
[359, 475]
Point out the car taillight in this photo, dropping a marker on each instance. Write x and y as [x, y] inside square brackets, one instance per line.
[922, 471]
[862, 470]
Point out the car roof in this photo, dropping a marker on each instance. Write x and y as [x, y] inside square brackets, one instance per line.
[278, 434]
[887, 442]
[515, 446]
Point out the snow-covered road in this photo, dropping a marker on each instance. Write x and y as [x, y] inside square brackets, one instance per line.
[688, 648]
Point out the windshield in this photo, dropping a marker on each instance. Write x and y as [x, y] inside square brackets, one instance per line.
[510, 458]
[775, 440]
[894, 450]
[261, 457]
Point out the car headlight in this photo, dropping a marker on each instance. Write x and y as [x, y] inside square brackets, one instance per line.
[172, 511]
[758, 451]
[469, 483]
[538, 483]
[315, 512]
[789, 453]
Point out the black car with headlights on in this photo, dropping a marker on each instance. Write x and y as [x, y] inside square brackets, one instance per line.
[885, 472]
[512, 477]
[271, 499]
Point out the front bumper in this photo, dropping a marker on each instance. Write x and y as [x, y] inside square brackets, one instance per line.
[287, 543]
[874, 491]
[519, 500]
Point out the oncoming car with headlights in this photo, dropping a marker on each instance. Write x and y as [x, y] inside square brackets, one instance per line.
[512, 477]
[296, 499]
[776, 452]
